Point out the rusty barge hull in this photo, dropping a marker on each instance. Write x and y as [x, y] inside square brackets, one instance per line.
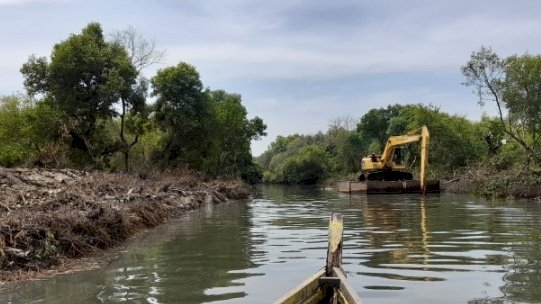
[387, 187]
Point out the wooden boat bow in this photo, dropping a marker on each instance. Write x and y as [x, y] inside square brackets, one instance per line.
[329, 285]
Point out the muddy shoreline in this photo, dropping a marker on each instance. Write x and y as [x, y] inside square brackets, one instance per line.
[58, 221]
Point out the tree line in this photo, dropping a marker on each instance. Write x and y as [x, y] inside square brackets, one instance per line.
[88, 106]
[305, 159]
[508, 141]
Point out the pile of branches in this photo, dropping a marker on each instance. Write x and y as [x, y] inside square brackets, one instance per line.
[512, 183]
[47, 215]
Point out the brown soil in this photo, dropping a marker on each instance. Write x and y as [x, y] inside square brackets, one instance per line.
[51, 219]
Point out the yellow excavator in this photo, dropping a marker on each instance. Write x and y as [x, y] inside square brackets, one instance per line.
[390, 166]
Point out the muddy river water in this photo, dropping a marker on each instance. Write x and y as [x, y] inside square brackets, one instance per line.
[398, 249]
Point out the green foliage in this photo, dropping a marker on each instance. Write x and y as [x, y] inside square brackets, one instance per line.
[179, 96]
[309, 165]
[349, 151]
[87, 109]
[485, 72]
[29, 132]
[375, 123]
[44, 129]
[85, 78]
[375, 147]
[522, 95]
[181, 111]
[204, 130]
[133, 118]
[309, 159]
[12, 150]
[513, 85]
[252, 174]
[493, 133]
[455, 143]
[231, 133]
[142, 155]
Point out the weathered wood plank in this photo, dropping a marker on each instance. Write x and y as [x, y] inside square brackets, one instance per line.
[348, 293]
[334, 249]
[305, 293]
[329, 284]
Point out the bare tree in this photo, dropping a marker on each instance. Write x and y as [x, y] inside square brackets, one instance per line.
[347, 123]
[142, 54]
[487, 73]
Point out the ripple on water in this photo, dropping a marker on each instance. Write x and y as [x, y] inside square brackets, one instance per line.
[398, 249]
[375, 287]
[395, 276]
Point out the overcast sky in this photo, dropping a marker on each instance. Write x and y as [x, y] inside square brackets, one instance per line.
[298, 64]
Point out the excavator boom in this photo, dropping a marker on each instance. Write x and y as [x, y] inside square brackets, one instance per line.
[425, 137]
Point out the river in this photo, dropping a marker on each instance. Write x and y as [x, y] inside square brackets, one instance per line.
[397, 249]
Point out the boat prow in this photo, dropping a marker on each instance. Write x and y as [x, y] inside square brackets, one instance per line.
[329, 285]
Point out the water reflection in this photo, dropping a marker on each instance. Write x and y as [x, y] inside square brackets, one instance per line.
[523, 276]
[471, 246]
[398, 249]
[210, 252]
[200, 258]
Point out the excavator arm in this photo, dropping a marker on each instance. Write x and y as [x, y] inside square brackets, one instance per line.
[425, 137]
[392, 143]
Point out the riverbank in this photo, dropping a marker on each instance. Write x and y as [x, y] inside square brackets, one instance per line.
[483, 182]
[49, 219]
[508, 184]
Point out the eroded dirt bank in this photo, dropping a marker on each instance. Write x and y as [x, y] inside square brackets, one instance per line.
[48, 217]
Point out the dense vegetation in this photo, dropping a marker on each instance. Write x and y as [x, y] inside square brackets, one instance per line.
[88, 106]
[494, 149]
[455, 143]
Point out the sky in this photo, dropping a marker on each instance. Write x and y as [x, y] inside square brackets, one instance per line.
[298, 64]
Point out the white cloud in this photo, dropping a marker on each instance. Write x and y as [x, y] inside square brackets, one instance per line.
[442, 48]
[391, 37]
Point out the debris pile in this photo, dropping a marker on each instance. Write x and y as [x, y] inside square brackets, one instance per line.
[49, 215]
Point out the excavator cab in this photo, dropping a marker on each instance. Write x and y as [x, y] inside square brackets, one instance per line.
[398, 156]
